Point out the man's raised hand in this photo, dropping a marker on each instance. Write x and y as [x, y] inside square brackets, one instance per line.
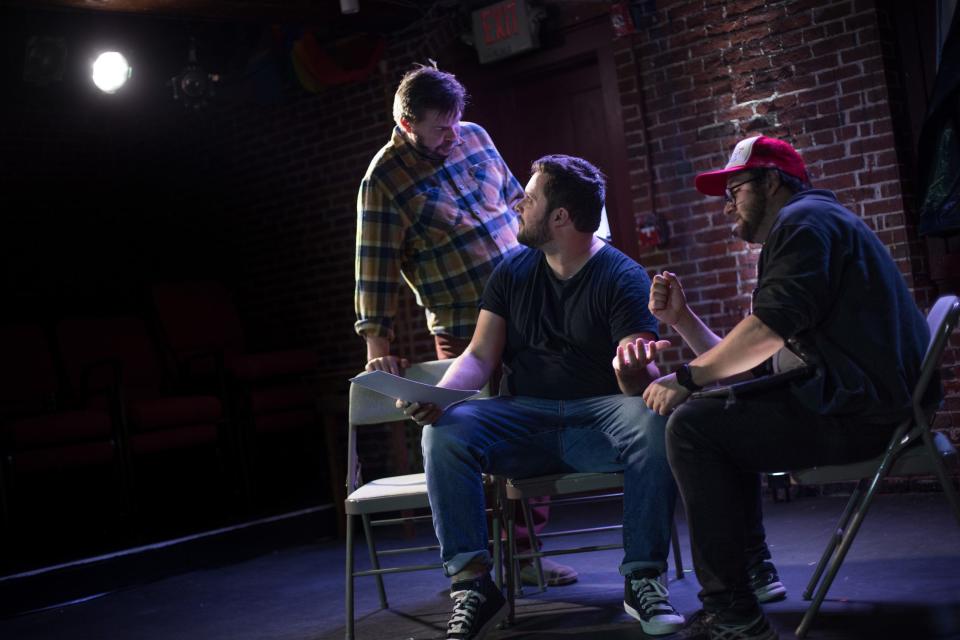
[667, 300]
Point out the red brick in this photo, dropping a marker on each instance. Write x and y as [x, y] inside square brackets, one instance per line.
[717, 264]
[860, 53]
[819, 63]
[842, 42]
[813, 34]
[739, 7]
[820, 153]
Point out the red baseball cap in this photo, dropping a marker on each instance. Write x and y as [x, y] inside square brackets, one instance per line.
[759, 152]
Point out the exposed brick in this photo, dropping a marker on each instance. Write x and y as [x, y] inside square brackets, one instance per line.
[842, 42]
[819, 63]
[857, 54]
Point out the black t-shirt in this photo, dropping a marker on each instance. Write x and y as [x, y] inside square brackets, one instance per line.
[827, 283]
[562, 334]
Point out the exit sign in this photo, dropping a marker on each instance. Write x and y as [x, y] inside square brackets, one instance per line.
[502, 30]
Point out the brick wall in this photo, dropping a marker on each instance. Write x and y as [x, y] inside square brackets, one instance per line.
[822, 75]
[293, 170]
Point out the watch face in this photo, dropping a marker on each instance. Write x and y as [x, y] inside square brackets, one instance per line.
[685, 378]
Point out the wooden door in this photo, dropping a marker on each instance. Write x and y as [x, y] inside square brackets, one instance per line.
[560, 101]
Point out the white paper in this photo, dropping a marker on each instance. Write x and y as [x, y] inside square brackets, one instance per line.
[411, 390]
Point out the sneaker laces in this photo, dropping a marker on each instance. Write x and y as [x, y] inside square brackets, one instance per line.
[465, 609]
[652, 595]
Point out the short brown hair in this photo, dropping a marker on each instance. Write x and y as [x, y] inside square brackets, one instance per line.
[426, 88]
[577, 186]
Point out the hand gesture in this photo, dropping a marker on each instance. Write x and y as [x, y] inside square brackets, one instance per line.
[426, 413]
[664, 394]
[390, 364]
[667, 300]
[632, 359]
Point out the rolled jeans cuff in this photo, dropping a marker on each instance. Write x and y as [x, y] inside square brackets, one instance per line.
[629, 567]
[455, 565]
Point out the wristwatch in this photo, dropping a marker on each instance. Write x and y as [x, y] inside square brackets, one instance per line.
[685, 378]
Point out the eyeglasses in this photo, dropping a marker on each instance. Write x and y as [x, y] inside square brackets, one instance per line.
[730, 193]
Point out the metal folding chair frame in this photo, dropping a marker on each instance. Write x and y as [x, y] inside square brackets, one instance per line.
[392, 494]
[513, 490]
[913, 449]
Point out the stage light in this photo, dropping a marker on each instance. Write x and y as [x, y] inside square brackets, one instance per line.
[111, 71]
[194, 85]
[349, 6]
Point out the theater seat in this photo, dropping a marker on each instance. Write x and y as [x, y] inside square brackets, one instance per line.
[271, 394]
[39, 432]
[107, 355]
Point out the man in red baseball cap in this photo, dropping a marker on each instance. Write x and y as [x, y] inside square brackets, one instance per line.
[831, 302]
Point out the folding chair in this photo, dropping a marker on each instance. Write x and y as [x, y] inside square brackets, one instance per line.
[565, 484]
[398, 493]
[914, 449]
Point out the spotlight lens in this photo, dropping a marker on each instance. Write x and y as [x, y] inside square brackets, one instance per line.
[110, 71]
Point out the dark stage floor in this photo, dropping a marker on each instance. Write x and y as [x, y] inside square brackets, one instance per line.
[276, 581]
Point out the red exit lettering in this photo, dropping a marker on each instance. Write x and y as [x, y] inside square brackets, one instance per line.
[499, 22]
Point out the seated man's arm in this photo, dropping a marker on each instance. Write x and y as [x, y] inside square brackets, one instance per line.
[747, 345]
[668, 304]
[635, 363]
[471, 369]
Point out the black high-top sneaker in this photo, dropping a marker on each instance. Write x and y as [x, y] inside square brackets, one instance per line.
[765, 583]
[645, 599]
[478, 607]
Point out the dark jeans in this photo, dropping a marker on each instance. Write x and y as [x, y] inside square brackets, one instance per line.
[449, 347]
[717, 455]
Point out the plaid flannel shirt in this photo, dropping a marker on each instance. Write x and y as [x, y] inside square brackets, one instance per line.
[440, 225]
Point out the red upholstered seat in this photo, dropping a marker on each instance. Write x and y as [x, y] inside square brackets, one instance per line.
[165, 412]
[260, 366]
[102, 353]
[62, 427]
[39, 431]
[270, 391]
[112, 361]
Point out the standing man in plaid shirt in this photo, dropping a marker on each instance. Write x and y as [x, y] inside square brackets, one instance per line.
[435, 209]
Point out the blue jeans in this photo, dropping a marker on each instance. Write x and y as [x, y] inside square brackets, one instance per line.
[519, 437]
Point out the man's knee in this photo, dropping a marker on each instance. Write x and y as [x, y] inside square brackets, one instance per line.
[694, 428]
[650, 426]
[448, 435]
[681, 430]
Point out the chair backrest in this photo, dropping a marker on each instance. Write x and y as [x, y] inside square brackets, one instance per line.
[370, 407]
[28, 375]
[86, 341]
[942, 320]
[198, 317]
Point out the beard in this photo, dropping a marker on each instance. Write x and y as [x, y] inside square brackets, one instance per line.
[748, 224]
[537, 235]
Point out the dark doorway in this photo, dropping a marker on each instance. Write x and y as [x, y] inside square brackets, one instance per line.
[561, 100]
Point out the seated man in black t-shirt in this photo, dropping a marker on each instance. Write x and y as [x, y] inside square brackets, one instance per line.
[567, 314]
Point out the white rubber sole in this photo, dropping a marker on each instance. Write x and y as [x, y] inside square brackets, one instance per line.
[771, 592]
[671, 623]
